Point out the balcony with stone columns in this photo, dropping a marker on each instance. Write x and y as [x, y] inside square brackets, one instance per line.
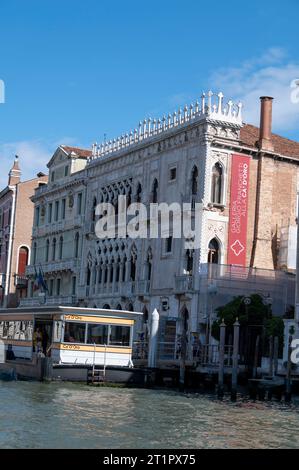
[54, 266]
[183, 284]
[59, 226]
[45, 300]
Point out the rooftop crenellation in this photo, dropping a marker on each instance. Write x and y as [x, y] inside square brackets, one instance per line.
[210, 105]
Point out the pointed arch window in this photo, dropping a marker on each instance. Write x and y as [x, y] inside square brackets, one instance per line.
[189, 262]
[133, 265]
[94, 205]
[214, 252]
[155, 191]
[217, 184]
[149, 265]
[138, 192]
[194, 181]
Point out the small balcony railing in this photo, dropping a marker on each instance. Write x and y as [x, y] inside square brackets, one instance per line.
[142, 287]
[21, 281]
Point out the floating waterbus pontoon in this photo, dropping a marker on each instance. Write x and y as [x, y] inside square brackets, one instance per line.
[67, 342]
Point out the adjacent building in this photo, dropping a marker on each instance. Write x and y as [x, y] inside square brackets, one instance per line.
[247, 179]
[16, 219]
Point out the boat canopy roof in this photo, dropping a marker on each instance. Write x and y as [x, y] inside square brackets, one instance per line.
[61, 310]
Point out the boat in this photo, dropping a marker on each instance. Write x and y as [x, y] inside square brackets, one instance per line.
[69, 343]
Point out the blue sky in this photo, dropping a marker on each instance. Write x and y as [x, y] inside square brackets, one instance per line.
[76, 70]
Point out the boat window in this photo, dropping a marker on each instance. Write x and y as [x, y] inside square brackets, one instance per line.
[74, 332]
[16, 330]
[119, 335]
[57, 332]
[97, 334]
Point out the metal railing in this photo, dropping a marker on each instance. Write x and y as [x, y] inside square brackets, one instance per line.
[165, 351]
[209, 355]
[21, 281]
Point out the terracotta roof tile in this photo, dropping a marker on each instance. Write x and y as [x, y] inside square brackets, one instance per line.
[83, 153]
[282, 145]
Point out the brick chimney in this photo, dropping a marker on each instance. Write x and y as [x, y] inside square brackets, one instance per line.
[14, 176]
[265, 140]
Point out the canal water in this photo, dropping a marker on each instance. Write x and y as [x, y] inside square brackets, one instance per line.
[38, 415]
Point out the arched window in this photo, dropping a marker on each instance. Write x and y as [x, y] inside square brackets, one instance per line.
[189, 262]
[34, 253]
[94, 205]
[133, 265]
[88, 276]
[23, 260]
[129, 196]
[213, 254]
[118, 307]
[47, 250]
[194, 181]
[76, 250]
[54, 249]
[217, 183]
[155, 191]
[60, 247]
[149, 265]
[106, 306]
[138, 193]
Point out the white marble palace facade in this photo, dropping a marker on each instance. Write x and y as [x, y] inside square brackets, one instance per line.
[182, 157]
[166, 160]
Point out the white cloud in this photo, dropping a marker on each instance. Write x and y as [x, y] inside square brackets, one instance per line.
[269, 75]
[33, 156]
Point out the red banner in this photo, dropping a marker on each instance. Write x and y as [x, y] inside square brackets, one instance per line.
[237, 234]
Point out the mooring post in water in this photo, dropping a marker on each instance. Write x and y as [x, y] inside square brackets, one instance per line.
[271, 356]
[256, 357]
[221, 359]
[288, 392]
[235, 360]
[183, 352]
[153, 340]
[275, 354]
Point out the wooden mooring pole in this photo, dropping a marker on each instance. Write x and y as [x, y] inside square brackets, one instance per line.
[221, 360]
[288, 391]
[256, 357]
[271, 356]
[235, 360]
[275, 355]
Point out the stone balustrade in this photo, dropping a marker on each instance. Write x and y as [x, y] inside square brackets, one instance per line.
[210, 106]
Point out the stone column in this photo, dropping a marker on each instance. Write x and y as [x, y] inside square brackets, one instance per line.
[108, 276]
[114, 277]
[128, 270]
[103, 278]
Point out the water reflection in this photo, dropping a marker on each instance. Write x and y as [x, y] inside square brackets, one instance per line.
[35, 415]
